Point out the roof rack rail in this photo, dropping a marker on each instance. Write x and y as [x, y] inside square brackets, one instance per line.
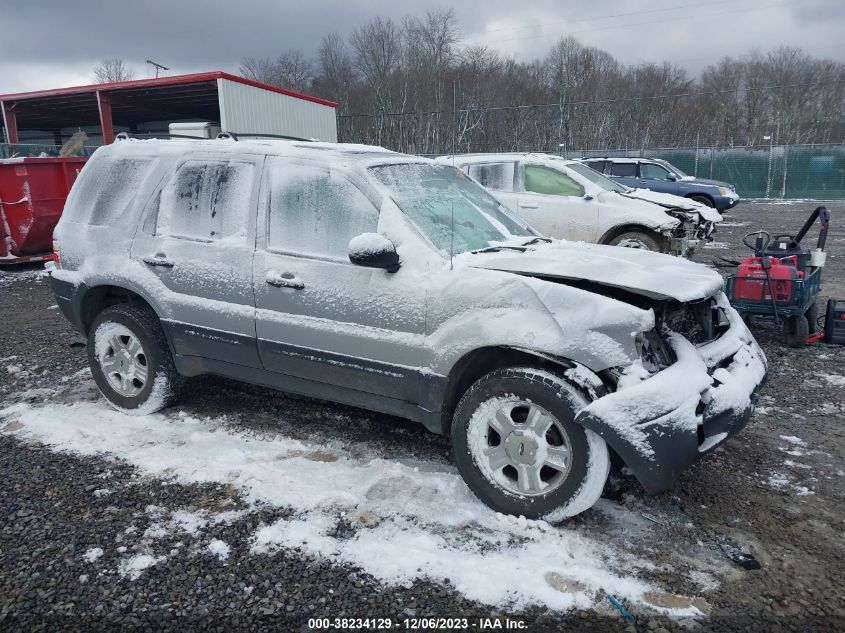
[263, 135]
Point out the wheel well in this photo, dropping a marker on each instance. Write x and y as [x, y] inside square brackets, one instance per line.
[618, 230]
[702, 195]
[99, 298]
[482, 361]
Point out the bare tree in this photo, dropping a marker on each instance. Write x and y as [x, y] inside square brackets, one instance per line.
[291, 70]
[113, 69]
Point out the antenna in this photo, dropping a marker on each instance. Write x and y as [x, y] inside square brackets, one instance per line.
[157, 66]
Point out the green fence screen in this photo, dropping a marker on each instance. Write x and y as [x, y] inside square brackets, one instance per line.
[779, 171]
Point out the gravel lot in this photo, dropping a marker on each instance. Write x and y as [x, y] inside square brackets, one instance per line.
[93, 542]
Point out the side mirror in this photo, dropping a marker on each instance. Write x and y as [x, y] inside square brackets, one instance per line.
[672, 177]
[373, 250]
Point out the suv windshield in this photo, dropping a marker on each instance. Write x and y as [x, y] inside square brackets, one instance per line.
[671, 167]
[596, 178]
[432, 195]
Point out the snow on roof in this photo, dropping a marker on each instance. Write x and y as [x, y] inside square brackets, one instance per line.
[500, 156]
[280, 147]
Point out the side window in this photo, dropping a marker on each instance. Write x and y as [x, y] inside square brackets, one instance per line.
[106, 189]
[628, 170]
[206, 200]
[315, 211]
[551, 182]
[495, 176]
[650, 170]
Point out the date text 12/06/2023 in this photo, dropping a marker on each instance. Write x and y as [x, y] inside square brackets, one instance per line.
[417, 624]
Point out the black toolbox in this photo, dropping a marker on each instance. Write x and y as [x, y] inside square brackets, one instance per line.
[834, 322]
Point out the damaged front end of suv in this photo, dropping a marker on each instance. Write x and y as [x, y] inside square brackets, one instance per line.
[694, 386]
[692, 378]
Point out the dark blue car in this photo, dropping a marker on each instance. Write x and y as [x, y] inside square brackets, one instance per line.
[660, 175]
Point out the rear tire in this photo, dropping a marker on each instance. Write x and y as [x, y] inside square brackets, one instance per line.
[639, 239]
[130, 360]
[703, 200]
[796, 330]
[519, 449]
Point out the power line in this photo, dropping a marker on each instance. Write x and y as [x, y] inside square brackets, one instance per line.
[560, 104]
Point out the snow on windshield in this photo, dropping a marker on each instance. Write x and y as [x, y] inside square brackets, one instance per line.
[439, 198]
[671, 167]
[595, 177]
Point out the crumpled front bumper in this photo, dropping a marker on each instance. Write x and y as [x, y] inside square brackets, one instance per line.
[688, 236]
[661, 425]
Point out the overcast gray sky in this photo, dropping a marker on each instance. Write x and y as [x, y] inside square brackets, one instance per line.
[53, 43]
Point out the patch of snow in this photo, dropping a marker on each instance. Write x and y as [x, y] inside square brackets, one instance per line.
[134, 566]
[778, 480]
[219, 548]
[797, 441]
[92, 554]
[102, 492]
[425, 523]
[837, 380]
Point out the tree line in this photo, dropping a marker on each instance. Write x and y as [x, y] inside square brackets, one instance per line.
[411, 85]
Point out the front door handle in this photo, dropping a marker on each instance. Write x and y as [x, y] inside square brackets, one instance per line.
[285, 280]
[158, 260]
[529, 205]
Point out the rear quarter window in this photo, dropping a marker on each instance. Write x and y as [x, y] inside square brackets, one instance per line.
[106, 189]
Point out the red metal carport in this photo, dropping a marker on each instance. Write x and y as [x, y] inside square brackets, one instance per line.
[196, 96]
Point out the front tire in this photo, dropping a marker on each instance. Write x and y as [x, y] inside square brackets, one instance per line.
[130, 360]
[703, 200]
[639, 239]
[519, 449]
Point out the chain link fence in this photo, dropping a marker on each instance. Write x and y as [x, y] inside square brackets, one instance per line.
[769, 171]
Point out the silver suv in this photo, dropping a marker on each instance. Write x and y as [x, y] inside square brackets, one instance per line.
[396, 284]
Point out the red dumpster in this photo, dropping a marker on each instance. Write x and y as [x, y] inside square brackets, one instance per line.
[32, 196]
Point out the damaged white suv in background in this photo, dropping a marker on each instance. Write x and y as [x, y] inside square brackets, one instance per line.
[399, 285]
[566, 199]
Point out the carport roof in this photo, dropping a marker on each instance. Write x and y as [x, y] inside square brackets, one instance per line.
[174, 97]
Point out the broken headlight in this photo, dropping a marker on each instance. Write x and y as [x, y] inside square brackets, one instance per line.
[655, 354]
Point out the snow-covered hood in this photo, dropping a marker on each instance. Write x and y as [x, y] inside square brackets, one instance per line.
[649, 274]
[668, 200]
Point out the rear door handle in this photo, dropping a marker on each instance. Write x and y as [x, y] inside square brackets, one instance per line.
[285, 280]
[158, 260]
[529, 205]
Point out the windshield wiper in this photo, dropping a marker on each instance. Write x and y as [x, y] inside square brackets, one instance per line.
[496, 249]
[535, 240]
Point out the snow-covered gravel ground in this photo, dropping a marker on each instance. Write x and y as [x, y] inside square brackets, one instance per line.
[242, 503]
